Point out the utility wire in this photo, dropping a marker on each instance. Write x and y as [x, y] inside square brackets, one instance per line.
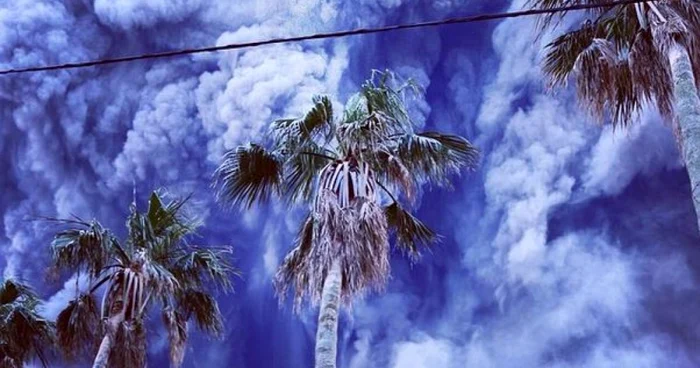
[319, 36]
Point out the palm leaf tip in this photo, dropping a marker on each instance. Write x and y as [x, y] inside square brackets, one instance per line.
[411, 234]
[248, 174]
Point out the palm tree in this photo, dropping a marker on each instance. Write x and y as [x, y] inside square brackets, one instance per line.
[154, 265]
[24, 334]
[338, 167]
[630, 55]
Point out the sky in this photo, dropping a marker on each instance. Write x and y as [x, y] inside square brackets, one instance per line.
[572, 245]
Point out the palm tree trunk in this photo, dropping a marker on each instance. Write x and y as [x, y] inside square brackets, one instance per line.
[327, 332]
[687, 105]
[107, 341]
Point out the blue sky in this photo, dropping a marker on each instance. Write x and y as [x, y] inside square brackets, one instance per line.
[571, 246]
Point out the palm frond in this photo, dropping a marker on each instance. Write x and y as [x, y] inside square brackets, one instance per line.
[176, 324]
[88, 246]
[552, 20]
[290, 134]
[199, 265]
[411, 233]
[361, 138]
[563, 52]
[78, 328]
[390, 169]
[293, 270]
[356, 236]
[347, 180]
[11, 290]
[168, 218]
[129, 348]
[302, 169]
[651, 73]
[248, 174]
[203, 308]
[24, 334]
[432, 157]
[374, 114]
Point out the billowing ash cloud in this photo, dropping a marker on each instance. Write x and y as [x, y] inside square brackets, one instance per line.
[573, 245]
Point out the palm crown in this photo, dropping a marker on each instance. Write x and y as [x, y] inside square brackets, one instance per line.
[154, 265]
[620, 57]
[24, 334]
[342, 164]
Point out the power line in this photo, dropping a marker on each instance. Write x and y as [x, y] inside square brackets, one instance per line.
[319, 36]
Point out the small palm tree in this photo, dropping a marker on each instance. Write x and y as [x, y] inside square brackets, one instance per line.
[23, 333]
[154, 265]
[630, 55]
[339, 167]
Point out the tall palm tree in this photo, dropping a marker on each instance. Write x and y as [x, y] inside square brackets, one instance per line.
[24, 334]
[154, 266]
[339, 167]
[626, 56]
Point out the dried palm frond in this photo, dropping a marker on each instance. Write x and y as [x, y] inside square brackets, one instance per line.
[348, 179]
[125, 294]
[129, 347]
[176, 324]
[248, 174]
[203, 308]
[293, 270]
[390, 169]
[78, 328]
[355, 235]
[651, 73]
[411, 233]
[631, 66]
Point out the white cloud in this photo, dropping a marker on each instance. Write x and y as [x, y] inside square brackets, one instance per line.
[646, 147]
[427, 353]
[252, 88]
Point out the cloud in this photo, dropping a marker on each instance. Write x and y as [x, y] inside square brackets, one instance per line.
[424, 354]
[130, 14]
[522, 280]
[619, 155]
